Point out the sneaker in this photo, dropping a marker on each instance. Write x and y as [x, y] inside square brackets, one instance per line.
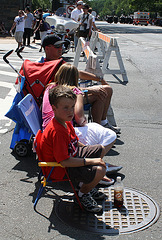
[106, 182]
[82, 54]
[96, 194]
[117, 130]
[112, 168]
[89, 204]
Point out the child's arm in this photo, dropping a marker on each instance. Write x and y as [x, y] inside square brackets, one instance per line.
[79, 111]
[80, 162]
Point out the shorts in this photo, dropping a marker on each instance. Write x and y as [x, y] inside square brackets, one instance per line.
[85, 174]
[93, 133]
[19, 36]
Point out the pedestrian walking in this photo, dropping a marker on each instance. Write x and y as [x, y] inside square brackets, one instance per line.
[19, 23]
[29, 23]
[42, 27]
[37, 15]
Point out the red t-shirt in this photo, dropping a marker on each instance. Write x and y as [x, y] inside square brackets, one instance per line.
[57, 144]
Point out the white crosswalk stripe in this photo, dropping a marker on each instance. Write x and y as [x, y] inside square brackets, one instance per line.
[4, 65]
[5, 105]
[11, 74]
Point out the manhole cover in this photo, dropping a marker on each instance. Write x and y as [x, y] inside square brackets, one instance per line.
[139, 212]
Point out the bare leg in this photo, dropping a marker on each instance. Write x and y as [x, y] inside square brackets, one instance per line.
[99, 97]
[107, 101]
[100, 173]
[19, 44]
[97, 108]
[106, 149]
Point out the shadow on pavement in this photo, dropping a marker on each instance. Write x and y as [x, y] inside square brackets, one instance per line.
[27, 164]
[128, 30]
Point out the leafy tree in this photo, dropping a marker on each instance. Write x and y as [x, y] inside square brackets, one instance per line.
[44, 4]
[126, 7]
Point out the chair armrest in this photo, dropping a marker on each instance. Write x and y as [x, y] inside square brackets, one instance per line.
[49, 164]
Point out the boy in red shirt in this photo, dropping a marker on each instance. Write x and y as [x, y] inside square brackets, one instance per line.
[60, 143]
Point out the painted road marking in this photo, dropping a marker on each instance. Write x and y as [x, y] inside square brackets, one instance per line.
[5, 105]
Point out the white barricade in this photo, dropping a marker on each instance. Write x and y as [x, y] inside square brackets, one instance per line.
[106, 45]
[92, 66]
[92, 62]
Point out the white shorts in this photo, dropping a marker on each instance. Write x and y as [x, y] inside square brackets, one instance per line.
[94, 133]
[19, 36]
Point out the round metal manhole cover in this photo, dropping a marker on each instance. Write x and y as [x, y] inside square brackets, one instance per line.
[139, 212]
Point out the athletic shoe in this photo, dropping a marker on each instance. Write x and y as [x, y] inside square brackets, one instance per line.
[97, 195]
[89, 204]
[115, 129]
[106, 182]
[112, 168]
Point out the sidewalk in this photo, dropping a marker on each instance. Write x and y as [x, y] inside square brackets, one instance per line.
[5, 40]
[8, 42]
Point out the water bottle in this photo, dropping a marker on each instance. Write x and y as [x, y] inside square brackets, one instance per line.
[118, 193]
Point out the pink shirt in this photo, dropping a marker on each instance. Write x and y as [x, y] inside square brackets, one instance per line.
[47, 112]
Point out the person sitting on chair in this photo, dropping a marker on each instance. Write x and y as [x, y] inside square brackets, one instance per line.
[88, 133]
[99, 96]
[59, 143]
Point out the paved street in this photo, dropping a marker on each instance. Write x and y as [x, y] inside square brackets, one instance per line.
[138, 111]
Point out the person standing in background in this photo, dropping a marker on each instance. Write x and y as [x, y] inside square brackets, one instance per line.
[93, 21]
[74, 15]
[42, 27]
[19, 23]
[85, 21]
[37, 15]
[29, 23]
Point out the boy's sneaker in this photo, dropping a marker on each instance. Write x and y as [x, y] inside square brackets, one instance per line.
[95, 194]
[89, 204]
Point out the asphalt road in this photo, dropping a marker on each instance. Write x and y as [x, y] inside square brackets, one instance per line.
[137, 107]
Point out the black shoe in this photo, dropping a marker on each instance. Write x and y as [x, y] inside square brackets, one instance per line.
[89, 204]
[82, 54]
[117, 130]
[96, 194]
[16, 49]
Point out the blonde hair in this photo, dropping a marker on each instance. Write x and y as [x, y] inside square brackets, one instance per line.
[67, 75]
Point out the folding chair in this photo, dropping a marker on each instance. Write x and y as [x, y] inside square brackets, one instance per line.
[30, 115]
[52, 165]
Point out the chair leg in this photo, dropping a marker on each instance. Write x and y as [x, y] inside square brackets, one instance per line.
[42, 187]
[38, 195]
[76, 195]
